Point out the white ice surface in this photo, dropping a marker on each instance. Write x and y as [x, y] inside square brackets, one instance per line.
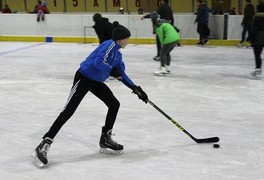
[208, 93]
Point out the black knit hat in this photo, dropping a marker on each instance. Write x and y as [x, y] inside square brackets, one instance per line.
[97, 17]
[120, 32]
[260, 8]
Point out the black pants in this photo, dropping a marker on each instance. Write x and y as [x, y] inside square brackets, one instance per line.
[203, 30]
[158, 44]
[81, 85]
[246, 29]
[257, 52]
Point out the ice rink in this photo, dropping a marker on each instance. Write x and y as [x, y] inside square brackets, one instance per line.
[208, 92]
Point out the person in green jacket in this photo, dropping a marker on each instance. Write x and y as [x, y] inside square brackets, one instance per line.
[169, 38]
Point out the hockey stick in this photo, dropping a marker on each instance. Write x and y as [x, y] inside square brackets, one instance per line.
[204, 140]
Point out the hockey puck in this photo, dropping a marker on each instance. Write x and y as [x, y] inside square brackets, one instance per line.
[216, 146]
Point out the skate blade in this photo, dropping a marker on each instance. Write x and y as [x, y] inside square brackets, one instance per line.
[110, 151]
[36, 160]
[160, 74]
[206, 43]
[255, 77]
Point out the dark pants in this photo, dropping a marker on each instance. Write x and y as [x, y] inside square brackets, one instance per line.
[165, 57]
[81, 85]
[203, 30]
[257, 52]
[246, 29]
[158, 45]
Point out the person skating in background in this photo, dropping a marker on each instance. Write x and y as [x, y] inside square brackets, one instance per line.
[140, 11]
[37, 6]
[257, 40]
[232, 11]
[165, 12]
[202, 18]
[6, 9]
[168, 38]
[42, 10]
[102, 27]
[249, 13]
[121, 10]
[104, 61]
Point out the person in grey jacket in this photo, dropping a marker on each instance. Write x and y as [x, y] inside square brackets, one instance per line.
[165, 12]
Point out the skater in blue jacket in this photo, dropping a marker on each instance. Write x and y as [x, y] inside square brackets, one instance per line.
[106, 60]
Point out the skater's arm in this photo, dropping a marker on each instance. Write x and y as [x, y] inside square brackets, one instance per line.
[137, 90]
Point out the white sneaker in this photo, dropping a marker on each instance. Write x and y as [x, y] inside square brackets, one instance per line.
[161, 72]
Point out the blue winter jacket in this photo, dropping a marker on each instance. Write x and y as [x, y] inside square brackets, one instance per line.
[98, 65]
[202, 15]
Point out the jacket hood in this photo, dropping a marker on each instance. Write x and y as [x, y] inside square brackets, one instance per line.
[160, 21]
[103, 19]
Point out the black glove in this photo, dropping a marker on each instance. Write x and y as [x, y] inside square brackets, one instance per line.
[177, 30]
[141, 94]
[115, 73]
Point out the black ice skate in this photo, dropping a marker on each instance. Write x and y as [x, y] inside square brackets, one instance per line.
[244, 44]
[199, 43]
[156, 58]
[108, 145]
[204, 42]
[40, 153]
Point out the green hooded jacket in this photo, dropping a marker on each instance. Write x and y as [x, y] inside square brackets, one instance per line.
[167, 33]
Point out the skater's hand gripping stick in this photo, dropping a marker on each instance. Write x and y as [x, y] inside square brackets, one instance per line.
[141, 94]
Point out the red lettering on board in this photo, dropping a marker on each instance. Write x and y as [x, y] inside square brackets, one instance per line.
[75, 3]
[96, 3]
[159, 3]
[116, 3]
[137, 3]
